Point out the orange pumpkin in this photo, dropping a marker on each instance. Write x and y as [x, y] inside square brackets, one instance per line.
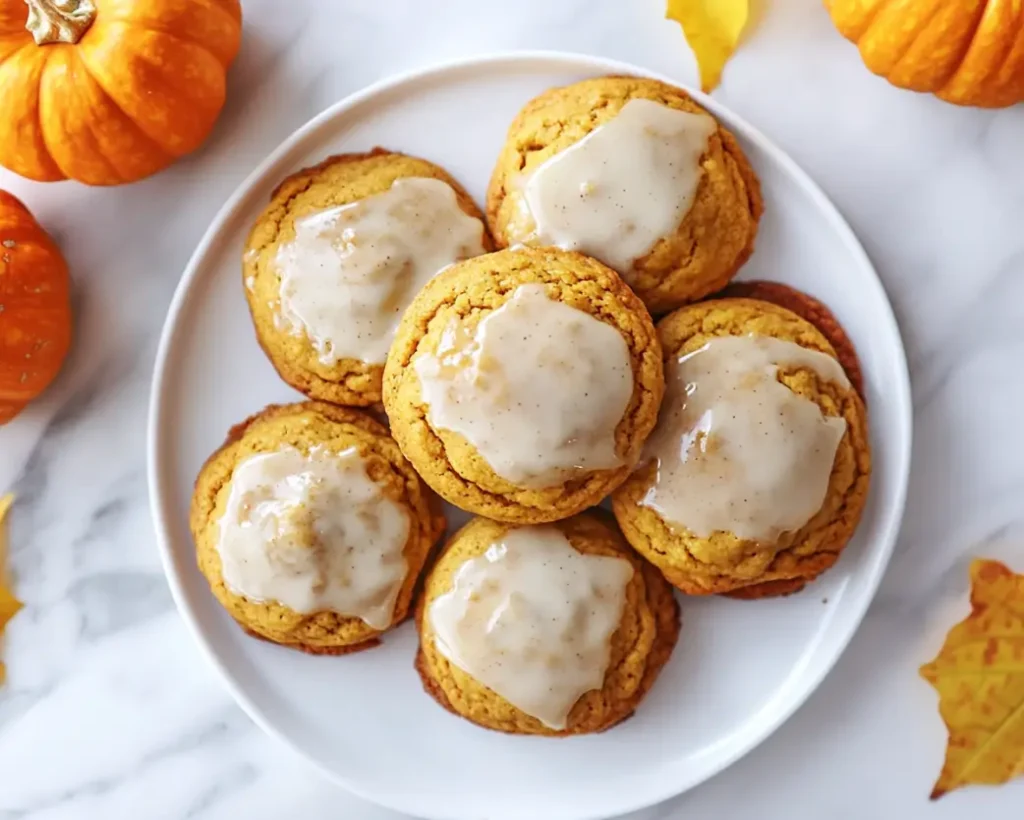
[35, 308]
[968, 52]
[110, 91]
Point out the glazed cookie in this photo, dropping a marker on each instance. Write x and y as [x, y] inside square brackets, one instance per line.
[558, 629]
[336, 257]
[636, 174]
[311, 527]
[522, 384]
[758, 471]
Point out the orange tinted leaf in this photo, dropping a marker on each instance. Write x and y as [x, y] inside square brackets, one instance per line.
[9, 605]
[979, 675]
[713, 29]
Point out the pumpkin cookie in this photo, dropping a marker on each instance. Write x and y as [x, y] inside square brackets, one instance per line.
[336, 257]
[758, 471]
[557, 629]
[632, 172]
[522, 384]
[311, 527]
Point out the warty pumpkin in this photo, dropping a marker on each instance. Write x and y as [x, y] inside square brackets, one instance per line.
[968, 52]
[110, 91]
[35, 308]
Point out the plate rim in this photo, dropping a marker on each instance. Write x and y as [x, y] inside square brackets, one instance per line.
[571, 61]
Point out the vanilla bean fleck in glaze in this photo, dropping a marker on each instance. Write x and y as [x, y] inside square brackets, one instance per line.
[617, 191]
[737, 450]
[314, 532]
[533, 619]
[351, 271]
[538, 388]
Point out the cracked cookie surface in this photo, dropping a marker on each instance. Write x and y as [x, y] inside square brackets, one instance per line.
[468, 292]
[721, 562]
[715, 237]
[806, 307]
[338, 180]
[304, 426]
[640, 647]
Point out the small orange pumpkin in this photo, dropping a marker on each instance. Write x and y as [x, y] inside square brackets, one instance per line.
[110, 91]
[968, 52]
[35, 308]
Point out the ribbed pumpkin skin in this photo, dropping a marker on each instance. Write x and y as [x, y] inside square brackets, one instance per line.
[141, 88]
[35, 309]
[968, 52]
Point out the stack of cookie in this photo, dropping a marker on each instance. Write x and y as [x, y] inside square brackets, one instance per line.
[524, 381]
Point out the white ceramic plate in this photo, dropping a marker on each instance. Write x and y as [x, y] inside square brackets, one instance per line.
[740, 669]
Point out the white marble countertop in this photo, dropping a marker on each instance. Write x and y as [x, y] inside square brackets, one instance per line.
[111, 712]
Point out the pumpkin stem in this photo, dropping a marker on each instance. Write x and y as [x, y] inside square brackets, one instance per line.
[59, 21]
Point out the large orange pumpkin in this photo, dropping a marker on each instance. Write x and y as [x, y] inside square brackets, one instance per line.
[35, 309]
[110, 91]
[969, 52]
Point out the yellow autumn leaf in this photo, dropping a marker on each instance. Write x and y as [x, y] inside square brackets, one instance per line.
[713, 29]
[979, 675]
[9, 605]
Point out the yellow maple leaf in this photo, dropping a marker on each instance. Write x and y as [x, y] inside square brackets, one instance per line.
[979, 675]
[9, 605]
[713, 29]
